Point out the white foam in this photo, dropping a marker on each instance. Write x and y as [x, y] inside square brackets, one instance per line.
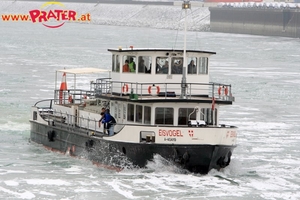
[14, 126]
[73, 170]
[21, 195]
[122, 189]
[11, 183]
[47, 182]
[47, 193]
[2, 172]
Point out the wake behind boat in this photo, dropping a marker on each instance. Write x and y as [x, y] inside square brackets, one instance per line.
[161, 105]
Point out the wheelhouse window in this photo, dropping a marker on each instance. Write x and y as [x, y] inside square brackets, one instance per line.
[129, 64]
[203, 65]
[147, 115]
[192, 65]
[130, 112]
[144, 65]
[207, 116]
[164, 116]
[186, 114]
[139, 113]
[162, 65]
[117, 63]
[177, 65]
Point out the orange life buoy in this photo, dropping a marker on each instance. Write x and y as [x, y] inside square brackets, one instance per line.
[70, 99]
[84, 103]
[125, 88]
[220, 90]
[150, 89]
[226, 91]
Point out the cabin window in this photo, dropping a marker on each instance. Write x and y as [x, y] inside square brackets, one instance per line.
[124, 111]
[144, 65]
[119, 110]
[147, 115]
[113, 63]
[203, 65]
[130, 112]
[129, 64]
[34, 115]
[117, 63]
[164, 116]
[139, 113]
[116, 110]
[186, 114]
[207, 116]
[162, 65]
[177, 65]
[192, 65]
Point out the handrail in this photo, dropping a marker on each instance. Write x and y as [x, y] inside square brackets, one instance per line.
[80, 123]
[142, 89]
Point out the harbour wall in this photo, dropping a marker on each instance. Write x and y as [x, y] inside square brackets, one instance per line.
[256, 21]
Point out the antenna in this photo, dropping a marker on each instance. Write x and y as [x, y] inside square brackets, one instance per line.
[185, 5]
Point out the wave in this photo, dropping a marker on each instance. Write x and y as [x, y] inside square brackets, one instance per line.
[152, 16]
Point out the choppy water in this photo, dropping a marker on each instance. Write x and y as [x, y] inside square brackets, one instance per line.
[264, 72]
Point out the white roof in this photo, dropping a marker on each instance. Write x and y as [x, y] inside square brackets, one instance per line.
[83, 70]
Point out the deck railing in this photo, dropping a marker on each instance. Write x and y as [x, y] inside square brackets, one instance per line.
[106, 86]
[86, 125]
[142, 90]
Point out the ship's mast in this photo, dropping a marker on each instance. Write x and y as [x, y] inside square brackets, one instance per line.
[185, 5]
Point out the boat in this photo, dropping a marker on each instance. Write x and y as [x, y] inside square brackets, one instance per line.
[162, 106]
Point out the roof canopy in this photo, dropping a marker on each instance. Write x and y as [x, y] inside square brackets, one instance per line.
[83, 70]
[157, 49]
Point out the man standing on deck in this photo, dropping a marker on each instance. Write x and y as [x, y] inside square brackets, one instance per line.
[101, 119]
[110, 122]
[131, 65]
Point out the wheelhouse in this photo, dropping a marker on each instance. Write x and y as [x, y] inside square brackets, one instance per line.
[149, 91]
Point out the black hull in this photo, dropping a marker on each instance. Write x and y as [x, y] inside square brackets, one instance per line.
[195, 158]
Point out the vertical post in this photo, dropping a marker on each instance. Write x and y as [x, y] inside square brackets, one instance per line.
[74, 82]
[185, 5]
[55, 89]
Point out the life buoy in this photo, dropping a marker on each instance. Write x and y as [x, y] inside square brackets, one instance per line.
[125, 88]
[70, 99]
[226, 91]
[156, 87]
[220, 90]
[84, 102]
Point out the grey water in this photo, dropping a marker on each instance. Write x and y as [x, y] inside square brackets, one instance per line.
[264, 73]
